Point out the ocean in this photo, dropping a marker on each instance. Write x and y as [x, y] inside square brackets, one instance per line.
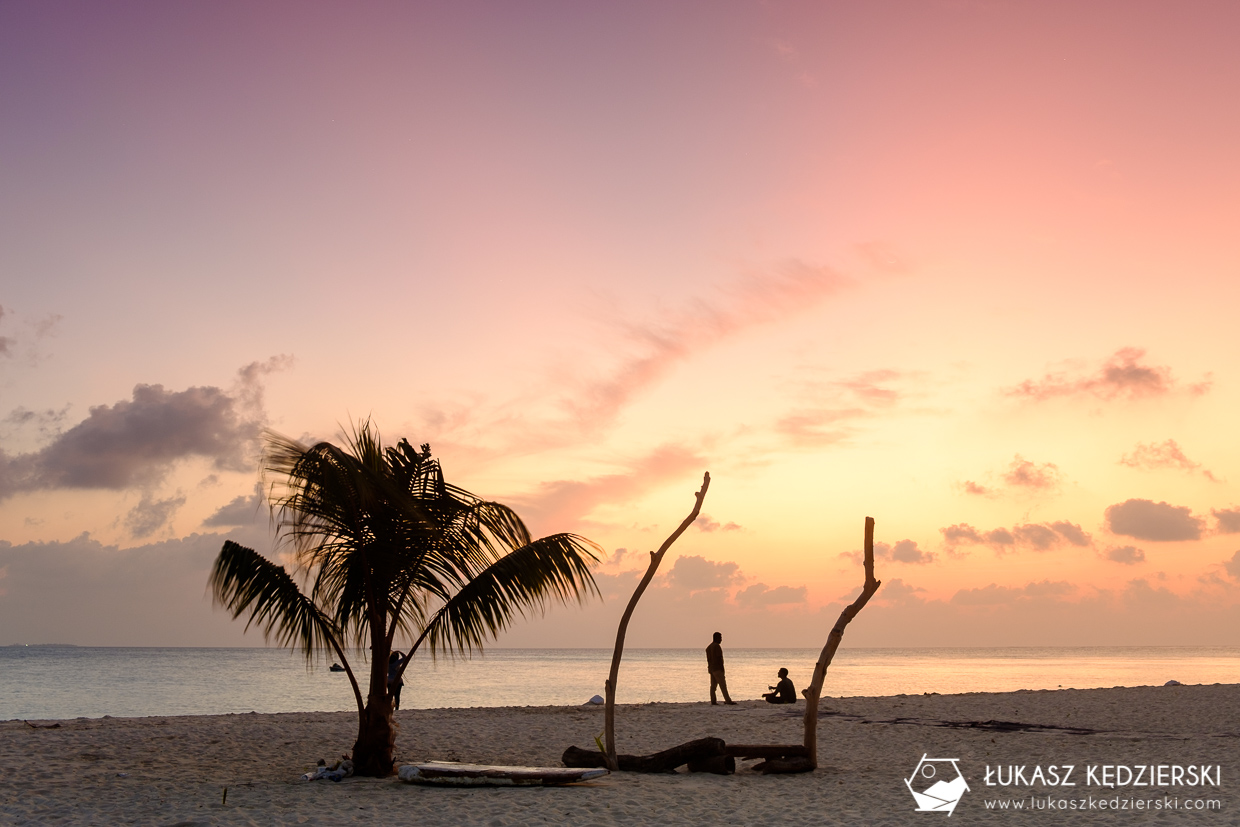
[59, 682]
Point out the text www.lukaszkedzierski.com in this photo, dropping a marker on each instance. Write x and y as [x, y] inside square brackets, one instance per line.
[1048, 802]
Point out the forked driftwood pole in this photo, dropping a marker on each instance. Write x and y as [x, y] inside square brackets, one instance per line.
[656, 557]
[814, 690]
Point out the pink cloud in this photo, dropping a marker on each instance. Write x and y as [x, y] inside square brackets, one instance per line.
[1122, 376]
[1153, 456]
[1020, 474]
[562, 504]
[708, 524]
[1025, 474]
[659, 344]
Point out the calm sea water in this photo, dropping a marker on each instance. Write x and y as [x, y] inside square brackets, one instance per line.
[44, 682]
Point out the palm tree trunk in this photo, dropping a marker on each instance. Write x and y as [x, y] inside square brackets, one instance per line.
[374, 751]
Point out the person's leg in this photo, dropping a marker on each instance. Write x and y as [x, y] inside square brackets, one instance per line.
[714, 682]
[723, 687]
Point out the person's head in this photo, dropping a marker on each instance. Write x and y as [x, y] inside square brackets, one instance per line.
[783, 673]
[392, 658]
[718, 638]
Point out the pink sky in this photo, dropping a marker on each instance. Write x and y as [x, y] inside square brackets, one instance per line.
[970, 268]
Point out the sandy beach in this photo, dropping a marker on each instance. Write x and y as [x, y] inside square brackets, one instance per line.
[174, 770]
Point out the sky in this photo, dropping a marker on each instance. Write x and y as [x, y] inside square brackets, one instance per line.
[968, 268]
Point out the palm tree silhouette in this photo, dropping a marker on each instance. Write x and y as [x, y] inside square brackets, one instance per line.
[384, 547]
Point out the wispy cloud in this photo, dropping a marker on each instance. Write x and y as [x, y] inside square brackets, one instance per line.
[151, 514]
[656, 345]
[6, 342]
[561, 505]
[1125, 375]
[829, 410]
[1151, 456]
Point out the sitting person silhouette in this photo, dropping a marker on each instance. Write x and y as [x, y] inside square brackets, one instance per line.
[784, 692]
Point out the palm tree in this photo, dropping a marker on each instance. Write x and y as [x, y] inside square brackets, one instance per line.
[385, 547]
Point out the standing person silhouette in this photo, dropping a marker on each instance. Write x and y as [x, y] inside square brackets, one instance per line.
[714, 664]
[394, 684]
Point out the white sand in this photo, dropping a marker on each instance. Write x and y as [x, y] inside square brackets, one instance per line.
[173, 771]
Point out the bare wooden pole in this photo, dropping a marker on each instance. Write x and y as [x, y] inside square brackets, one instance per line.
[814, 691]
[656, 557]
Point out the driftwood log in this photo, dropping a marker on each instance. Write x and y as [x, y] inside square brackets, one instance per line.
[609, 688]
[766, 750]
[702, 755]
[778, 757]
[814, 690]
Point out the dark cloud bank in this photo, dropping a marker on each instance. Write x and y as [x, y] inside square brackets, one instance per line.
[134, 443]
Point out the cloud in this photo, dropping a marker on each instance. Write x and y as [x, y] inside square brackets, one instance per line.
[817, 428]
[904, 551]
[42, 328]
[1072, 532]
[86, 593]
[562, 504]
[6, 344]
[1021, 474]
[48, 423]
[1035, 536]
[993, 594]
[1128, 555]
[150, 515]
[760, 594]
[1122, 376]
[241, 510]
[658, 345]
[1024, 474]
[135, 442]
[708, 524]
[831, 407]
[1148, 520]
[895, 590]
[1228, 520]
[1233, 565]
[696, 573]
[1153, 456]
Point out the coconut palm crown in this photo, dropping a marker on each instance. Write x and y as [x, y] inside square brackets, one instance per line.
[383, 547]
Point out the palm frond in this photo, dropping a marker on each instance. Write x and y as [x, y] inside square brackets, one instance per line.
[243, 581]
[522, 581]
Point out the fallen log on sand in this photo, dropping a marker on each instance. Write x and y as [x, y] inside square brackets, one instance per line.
[702, 755]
